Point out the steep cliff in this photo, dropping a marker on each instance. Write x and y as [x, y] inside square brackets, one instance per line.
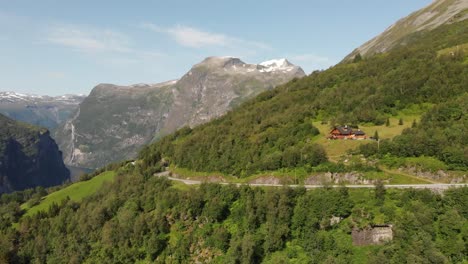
[29, 157]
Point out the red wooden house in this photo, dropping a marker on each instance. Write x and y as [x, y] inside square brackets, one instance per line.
[346, 132]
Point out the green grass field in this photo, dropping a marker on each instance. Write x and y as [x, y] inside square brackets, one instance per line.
[394, 177]
[337, 148]
[458, 48]
[76, 192]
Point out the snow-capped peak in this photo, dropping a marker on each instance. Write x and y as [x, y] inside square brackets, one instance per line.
[13, 97]
[278, 64]
[16, 96]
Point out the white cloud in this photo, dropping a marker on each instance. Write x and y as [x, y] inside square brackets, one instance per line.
[197, 38]
[88, 40]
[191, 37]
[106, 46]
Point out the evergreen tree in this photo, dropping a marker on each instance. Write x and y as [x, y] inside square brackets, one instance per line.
[357, 58]
[376, 135]
[379, 192]
[387, 123]
[400, 122]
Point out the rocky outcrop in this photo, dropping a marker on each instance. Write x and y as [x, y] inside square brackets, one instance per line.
[375, 235]
[439, 175]
[438, 13]
[29, 157]
[114, 122]
[337, 178]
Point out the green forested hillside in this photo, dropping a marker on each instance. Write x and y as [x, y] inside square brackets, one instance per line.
[22, 131]
[441, 134]
[75, 192]
[147, 220]
[275, 129]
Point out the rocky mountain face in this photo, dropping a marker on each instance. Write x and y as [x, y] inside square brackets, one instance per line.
[39, 110]
[29, 157]
[218, 84]
[439, 12]
[114, 122]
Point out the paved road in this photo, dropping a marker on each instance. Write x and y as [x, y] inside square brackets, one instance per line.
[436, 186]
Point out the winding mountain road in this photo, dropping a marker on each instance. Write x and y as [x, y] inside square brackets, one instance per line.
[434, 186]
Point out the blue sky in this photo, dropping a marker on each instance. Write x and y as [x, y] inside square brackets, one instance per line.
[58, 47]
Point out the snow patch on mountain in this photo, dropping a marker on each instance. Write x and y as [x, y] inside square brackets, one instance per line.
[277, 65]
[14, 97]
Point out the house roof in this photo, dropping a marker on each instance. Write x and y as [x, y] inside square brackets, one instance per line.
[359, 132]
[344, 130]
[347, 130]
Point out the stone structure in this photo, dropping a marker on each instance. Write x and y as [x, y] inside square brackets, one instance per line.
[375, 235]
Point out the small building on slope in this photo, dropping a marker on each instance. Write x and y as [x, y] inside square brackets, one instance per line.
[346, 132]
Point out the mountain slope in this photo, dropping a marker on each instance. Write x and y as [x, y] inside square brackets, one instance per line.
[114, 122]
[39, 110]
[29, 157]
[275, 130]
[438, 13]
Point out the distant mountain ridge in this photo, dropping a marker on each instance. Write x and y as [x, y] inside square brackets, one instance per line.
[41, 110]
[29, 157]
[438, 13]
[114, 121]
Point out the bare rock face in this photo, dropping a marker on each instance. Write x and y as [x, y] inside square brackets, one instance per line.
[114, 122]
[438, 13]
[337, 178]
[218, 84]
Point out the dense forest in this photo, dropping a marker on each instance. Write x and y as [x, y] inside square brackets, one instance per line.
[274, 130]
[138, 219]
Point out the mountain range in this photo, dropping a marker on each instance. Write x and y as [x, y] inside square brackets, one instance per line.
[114, 121]
[46, 111]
